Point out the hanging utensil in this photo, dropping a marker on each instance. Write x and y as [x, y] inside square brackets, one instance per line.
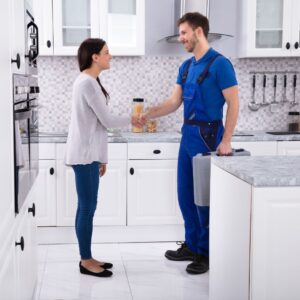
[253, 105]
[284, 99]
[294, 90]
[274, 106]
[264, 103]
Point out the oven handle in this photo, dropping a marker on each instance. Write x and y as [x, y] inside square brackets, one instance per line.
[37, 39]
[22, 114]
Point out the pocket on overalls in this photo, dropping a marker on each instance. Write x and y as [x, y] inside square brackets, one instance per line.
[209, 134]
[188, 93]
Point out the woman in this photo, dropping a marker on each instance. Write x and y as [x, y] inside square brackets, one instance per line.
[87, 144]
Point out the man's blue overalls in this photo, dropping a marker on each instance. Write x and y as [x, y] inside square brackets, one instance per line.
[202, 131]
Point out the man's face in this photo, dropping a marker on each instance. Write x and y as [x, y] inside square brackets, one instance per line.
[188, 37]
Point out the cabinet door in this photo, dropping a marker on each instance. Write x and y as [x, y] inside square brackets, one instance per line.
[17, 28]
[7, 273]
[289, 148]
[295, 38]
[122, 24]
[45, 189]
[26, 255]
[43, 17]
[266, 28]
[111, 207]
[257, 148]
[152, 192]
[73, 22]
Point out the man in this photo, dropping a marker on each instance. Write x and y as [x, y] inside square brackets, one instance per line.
[204, 83]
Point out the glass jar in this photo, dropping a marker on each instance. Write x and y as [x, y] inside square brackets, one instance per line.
[293, 120]
[152, 126]
[137, 109]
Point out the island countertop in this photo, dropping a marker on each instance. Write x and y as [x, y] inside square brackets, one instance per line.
[263, 171]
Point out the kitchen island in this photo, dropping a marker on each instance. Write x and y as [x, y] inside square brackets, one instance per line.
[254, 228]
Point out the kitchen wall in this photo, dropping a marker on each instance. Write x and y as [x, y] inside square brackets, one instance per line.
[152, 77]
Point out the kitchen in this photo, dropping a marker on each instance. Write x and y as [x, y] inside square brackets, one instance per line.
[138, 222]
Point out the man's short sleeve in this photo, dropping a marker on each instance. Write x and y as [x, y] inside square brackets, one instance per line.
[225, 74]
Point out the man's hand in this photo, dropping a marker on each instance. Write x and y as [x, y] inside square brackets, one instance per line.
[224, 149]
[102, 169]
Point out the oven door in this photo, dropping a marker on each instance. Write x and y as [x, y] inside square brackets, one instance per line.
[23, 179]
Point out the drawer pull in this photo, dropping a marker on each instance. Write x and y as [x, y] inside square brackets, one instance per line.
[156, 151]
[131, 171]
[32, 209]
[21, 243]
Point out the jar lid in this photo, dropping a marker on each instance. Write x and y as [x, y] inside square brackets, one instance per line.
[294, 113]
[138, 100]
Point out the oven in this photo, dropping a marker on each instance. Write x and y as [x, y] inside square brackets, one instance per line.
[31, 41]
[26, 153]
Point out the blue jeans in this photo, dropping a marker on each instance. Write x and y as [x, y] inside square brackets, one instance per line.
[87, 184]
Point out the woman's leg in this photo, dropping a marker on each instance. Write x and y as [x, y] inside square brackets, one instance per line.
[87, 183]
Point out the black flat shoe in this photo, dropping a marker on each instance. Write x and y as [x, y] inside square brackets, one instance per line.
[85, 271]
[106, 266]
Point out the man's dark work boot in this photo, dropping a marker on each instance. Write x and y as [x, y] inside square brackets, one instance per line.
[199, 265]
[182, 253]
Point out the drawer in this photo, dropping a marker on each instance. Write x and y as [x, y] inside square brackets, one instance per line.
[46, 151]
[153, 150]
[115, 151]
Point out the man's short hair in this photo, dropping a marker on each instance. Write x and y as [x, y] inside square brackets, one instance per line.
[195, 19]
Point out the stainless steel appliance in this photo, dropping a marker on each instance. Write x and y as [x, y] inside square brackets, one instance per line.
[25, 108]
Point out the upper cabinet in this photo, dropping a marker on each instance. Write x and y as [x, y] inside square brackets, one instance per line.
[120, 23]
[269, 28]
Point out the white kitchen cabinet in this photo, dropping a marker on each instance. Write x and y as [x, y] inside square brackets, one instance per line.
[8, 272]
[152, 184]
[26, 252]
[17, 29]
[254, 238]
[120, 23]
[43, 17]
[257, 148]
[269, 28]
[111, 207]
[289, 148]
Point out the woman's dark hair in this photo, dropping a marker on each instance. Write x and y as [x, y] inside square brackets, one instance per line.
[84, 56]
[195, 19]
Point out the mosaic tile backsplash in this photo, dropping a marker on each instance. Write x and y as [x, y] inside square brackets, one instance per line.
[153, 78]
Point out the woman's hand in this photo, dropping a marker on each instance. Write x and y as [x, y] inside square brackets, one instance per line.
[102, 169]
[137, 121]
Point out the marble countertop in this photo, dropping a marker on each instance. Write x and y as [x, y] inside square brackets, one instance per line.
[169, 137]
[263, 171]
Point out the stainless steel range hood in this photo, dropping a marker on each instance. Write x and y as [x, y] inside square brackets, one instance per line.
[202, 6]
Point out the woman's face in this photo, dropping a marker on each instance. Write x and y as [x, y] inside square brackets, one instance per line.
[103, 58]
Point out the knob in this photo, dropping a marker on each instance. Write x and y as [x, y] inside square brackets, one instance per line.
[17, 60]
[48, 44]
[21, 243]
[131, 171]
[296, 45]
[288, 45]
[156, 151]
[51, 171]
[32, 209]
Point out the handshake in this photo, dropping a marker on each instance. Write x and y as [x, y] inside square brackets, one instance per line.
[139, 120]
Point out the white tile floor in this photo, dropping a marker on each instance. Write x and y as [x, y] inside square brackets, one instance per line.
[140, 272]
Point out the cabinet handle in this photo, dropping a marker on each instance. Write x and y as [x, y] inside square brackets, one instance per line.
[296, 45]
[48, 44]
[288, 46]
[131, 171]
[21, 243]
[17, 60]
[32, 209]
[156, 151]
[51, 171]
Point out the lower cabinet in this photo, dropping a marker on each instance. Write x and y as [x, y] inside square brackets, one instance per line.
[111, 207]
[152, 192]
[26, 254]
